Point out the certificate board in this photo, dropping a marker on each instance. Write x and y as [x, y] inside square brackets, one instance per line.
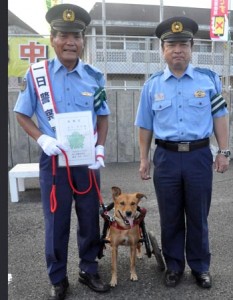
[75, 129]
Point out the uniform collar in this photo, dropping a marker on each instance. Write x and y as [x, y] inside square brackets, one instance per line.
[188, 72]
[79, 68]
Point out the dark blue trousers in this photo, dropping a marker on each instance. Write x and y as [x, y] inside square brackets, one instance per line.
[183, 186]
[57, 225]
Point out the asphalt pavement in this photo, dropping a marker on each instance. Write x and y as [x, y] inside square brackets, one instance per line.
[26, 261]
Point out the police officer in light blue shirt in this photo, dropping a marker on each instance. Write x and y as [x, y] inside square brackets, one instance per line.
[180, 108]
[69, 95]
[62, 85]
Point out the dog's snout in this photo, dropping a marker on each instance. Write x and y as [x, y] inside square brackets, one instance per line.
[128, 213]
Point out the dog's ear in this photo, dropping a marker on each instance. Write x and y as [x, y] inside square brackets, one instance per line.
[116, 191]
[140, 196]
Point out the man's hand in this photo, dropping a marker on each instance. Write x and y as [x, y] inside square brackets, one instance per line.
[50, 145]
[221, 163]
[99, 156]
[144, 169]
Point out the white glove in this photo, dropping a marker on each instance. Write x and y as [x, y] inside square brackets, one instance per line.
[50, 145]
[99, 156]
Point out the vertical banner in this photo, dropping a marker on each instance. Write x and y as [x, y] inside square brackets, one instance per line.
[219, 24]
[50, 3]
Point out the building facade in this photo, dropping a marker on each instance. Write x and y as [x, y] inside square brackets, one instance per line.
[128, 54]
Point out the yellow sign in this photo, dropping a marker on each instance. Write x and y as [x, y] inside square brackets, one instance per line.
[24, 51]
[219, 23]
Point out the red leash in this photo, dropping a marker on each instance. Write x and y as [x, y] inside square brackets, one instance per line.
[53, 199]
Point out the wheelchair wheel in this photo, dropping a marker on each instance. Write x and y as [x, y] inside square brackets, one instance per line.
[146, 239]
[156, 251]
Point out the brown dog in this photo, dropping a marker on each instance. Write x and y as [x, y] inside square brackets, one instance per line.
[125, 230]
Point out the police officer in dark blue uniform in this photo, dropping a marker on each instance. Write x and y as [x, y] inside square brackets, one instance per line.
[66, 84]
[181, 107]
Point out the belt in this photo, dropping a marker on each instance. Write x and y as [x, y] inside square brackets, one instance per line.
[182, 146]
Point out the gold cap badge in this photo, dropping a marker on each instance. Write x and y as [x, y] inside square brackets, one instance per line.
[176, 27]
[68, 15]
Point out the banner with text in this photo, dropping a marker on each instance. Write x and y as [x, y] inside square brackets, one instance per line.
[24, 51]
[219, 23]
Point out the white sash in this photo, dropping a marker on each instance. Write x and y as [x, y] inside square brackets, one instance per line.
[43, 88]
[42, 85]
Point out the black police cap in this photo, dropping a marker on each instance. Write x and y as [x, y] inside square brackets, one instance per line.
[176, 29]
[68, 18]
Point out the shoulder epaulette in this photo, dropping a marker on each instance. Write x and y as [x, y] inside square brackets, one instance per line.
[91, 70]
[155, 75]
[208, 72]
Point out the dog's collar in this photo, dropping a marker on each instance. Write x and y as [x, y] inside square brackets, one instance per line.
[116, 225]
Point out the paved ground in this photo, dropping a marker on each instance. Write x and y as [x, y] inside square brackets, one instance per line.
[26, 246]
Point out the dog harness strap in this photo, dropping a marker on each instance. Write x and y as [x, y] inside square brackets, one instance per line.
[117, 226]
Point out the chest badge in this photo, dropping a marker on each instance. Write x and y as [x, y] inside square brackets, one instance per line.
[159, 97]
[23, 85]
[87, 94]
[199, 94]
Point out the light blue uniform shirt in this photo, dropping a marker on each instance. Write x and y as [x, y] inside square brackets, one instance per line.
[171, 108]
[73, 91]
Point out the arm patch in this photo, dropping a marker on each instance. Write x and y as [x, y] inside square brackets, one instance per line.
[99, 98]
[217, 103]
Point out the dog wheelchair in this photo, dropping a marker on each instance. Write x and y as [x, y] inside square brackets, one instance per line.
[147, 238]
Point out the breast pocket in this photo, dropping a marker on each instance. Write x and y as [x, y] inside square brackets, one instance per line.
[84, 103]
[162, 111]
[199, 110]
[161, 105]
[200, 104]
